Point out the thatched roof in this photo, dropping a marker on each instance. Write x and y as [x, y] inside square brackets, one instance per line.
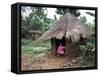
[68, 26]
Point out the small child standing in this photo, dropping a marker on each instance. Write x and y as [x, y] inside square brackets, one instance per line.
[60, 50]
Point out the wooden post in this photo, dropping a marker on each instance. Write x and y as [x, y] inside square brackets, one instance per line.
[66, 47]
[53, 47]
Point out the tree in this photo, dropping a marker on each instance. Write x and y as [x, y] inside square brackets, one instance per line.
[32, 20]
[91, 14]
[63, 11]
[83, 19]
[24, 27]
[36, 19]
[88, 50]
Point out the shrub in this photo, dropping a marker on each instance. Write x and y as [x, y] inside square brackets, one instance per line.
[88, 56]
[25, 41]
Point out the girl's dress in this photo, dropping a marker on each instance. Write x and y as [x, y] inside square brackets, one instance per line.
[61, 49]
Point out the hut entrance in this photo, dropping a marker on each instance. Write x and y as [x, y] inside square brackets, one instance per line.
[58, 42]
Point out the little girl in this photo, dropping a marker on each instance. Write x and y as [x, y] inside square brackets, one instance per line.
[61, 49]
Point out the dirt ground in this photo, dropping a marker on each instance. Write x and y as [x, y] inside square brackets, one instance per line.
[47, 62]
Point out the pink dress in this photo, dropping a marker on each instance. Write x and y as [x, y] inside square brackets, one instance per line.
[61, 49]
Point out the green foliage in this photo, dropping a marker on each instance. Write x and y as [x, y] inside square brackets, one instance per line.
[83, 19]
[24, 27]
[91, 26]
[36, 20]
[89, 45]
[25, 42]
[82, 48]
[88, 55]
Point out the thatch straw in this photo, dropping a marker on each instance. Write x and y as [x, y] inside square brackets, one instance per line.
[68, 26]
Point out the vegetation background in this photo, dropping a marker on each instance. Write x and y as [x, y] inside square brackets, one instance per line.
[35, 21]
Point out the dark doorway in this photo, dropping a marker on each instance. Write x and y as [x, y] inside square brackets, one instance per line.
[58, 41]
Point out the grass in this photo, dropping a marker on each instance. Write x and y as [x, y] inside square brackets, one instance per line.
[34, 47]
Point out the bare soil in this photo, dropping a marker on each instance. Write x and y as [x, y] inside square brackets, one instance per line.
[28, 62]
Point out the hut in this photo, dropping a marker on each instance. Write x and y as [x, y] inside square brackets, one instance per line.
[33, 34]
[69, 31]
